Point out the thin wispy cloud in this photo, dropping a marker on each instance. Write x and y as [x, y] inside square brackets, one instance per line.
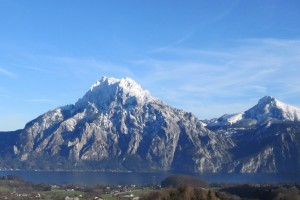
[42, 101]
[173, 44]
[82, 66]
[197, 80]
[7, 73]
[38, 69]
[250, 70]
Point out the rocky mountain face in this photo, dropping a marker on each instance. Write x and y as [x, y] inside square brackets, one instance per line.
[266, 137]
[119, 126]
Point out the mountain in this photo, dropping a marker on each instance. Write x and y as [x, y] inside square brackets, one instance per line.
[266, 137]
[119, 126]
[267, 110]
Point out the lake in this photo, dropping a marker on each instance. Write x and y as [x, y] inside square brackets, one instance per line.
[90, 178]
[138, 178]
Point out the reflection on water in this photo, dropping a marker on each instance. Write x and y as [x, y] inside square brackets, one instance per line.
[125, 178]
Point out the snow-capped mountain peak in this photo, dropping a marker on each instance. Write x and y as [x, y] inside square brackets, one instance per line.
[102, 80]
[267, 109]
[267, 100]
[120, 91]
[270, 108]
[108, 81]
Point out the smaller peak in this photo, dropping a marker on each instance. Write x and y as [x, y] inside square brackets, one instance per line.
[266, 100]
[270, 108]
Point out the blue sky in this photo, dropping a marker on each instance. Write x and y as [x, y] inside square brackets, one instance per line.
[207, 57]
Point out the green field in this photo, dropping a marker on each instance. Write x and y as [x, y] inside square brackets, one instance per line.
[59, 193]
[136, 192]
[5, 189]
[55, 192]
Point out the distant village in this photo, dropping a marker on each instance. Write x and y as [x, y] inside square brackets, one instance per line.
[179, 187]
[13, 187]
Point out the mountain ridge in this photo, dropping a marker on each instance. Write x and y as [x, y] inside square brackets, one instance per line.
[119, 126]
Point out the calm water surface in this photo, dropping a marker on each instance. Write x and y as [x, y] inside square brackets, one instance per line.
[104, 178]
[125, 178]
